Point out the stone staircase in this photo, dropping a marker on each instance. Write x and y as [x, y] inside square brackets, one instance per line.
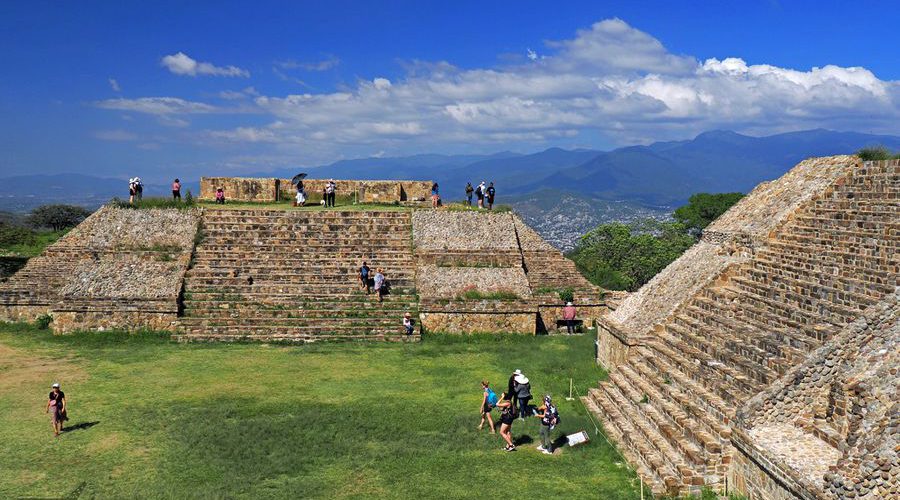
[671, 403]
[276, 275]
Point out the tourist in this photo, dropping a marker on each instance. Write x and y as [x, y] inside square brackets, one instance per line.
[364, 277]
[132, 190]
[549, 418]
[479, 193]
[138, 189]
[330, 189]
[435, 195]
[507, 416]
[301, 195]
[408, 324]
[469, 191]
[523, 395]
[379, 284]
[56, 407]
[569, 317]
[176, 190]
[488, 402]
[220, 196]
[490, 196]
[511, 387]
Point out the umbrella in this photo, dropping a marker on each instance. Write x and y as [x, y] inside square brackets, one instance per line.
[297, 178]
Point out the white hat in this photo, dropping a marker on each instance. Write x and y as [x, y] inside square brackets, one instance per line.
[522, 379]
[568, 303]
[55, 385]
[517, 372]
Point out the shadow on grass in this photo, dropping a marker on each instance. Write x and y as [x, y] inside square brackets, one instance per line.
[80, 426]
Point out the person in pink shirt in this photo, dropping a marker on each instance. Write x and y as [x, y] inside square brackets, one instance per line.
[569, 316]
[176, 190]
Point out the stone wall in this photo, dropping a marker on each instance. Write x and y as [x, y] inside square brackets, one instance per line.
[240, 188]
[464, 231]
[448, 282]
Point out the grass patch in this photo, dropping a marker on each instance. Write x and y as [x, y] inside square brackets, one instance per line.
[154, 202]
[470, 293]
[30, 244]
[165, 420]
[877, 153]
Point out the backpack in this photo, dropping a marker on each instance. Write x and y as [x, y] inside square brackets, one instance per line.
[478, 190]
[551, 416]
[492, 398]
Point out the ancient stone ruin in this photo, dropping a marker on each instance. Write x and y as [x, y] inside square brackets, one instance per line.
[764, 361]
[268, 190]
[275, 274]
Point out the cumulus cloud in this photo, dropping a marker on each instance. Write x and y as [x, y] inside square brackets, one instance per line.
[610, 83]
[183, 64]
[323, 65]
[114, 85]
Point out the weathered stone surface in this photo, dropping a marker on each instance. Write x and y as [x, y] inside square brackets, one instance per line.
[469, 231]
[449, 282]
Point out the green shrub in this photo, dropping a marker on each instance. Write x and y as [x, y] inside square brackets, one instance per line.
[566, 295]
[43, 321]
[875, 153]
[471, 293]
[189, 198]
[16, 235]
[703, 208]
[57, 217]
[154, 202]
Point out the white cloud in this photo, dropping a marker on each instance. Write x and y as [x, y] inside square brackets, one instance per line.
[116, 135]
[157, 105]
[114, 85]
[610, 83]
[232, 95]
[323, 65]
[183, 64]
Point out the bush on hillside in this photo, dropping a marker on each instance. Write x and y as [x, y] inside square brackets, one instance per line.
[876, 153]
[703, 208]
[15, 235]
[623, 257]
[57, 217]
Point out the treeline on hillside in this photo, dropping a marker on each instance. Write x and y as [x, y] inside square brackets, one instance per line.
[28, 235]
[877, 153]
[620, 256]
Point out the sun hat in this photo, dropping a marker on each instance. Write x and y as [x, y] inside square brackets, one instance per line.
[522, 379]
[568, 303]
[55, 385]
[517, 372]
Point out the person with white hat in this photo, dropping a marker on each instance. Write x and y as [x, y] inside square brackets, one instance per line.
[56, 407]
[569, 317]
[523, 395]
[511, 388]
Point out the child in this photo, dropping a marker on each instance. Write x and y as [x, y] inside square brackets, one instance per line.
[408, 324]
[488, 402]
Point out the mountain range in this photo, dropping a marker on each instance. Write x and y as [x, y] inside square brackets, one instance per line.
[657, 176]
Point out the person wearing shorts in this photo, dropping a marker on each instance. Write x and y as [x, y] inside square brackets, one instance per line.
[507, 417]
[486, 406]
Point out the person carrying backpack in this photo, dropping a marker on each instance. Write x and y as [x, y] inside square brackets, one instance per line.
[489, 193]
[523, 395]
[488, 401]
[364, 277]
[479, 193]
[549, 420]
[469, 191]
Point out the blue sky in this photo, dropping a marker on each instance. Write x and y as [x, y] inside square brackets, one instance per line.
[185, 88]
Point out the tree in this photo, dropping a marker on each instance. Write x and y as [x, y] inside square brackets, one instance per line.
[623, 257]
[57, 217]
[703, 208]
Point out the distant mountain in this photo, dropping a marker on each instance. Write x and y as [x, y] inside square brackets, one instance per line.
[661, 174]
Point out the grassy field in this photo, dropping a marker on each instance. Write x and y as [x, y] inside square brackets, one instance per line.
[152, 418]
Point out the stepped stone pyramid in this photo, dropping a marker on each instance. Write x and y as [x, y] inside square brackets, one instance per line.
[774, 291]
[270, 273]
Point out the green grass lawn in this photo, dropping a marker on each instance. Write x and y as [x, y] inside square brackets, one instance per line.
[33, 248]
[159, 419]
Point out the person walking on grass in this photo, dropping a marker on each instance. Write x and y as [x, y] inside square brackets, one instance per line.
[507, 416]
[549, 419]
[511, 388]
[408, 324]
[176, 190]
[56, 407]
[364, 277]
[489, 194]
[469, 191]
[379, 284]
[569, 317]
[523, 395]
[488, 402]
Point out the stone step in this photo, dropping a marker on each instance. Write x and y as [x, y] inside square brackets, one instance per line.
[874, 284]
[324, 330]
[277, 337]
[827, 304]
[294, 313]
[661, 478]
[732, 387]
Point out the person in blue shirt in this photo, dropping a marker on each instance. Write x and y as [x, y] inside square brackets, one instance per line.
[435, 195]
